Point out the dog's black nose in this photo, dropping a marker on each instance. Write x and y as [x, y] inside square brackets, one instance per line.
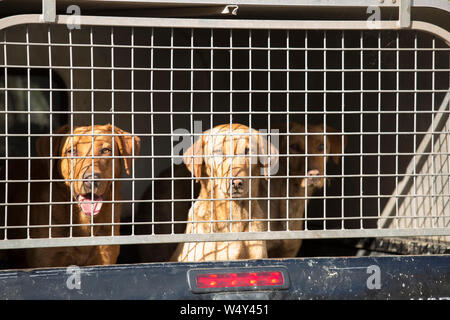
[238, 183]
[90, 181]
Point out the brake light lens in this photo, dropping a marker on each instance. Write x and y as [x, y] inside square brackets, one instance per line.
[239, 279]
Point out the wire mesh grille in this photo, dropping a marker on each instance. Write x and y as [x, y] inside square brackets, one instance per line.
[383, 94]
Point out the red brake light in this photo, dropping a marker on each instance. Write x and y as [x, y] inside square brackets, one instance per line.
[239, 279]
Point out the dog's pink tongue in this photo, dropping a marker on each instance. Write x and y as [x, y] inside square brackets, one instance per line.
[89, 207]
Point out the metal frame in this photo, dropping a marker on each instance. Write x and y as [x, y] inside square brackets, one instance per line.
[404, 22]
[228, 23]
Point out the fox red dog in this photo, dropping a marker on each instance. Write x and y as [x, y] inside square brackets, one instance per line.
[85, 163]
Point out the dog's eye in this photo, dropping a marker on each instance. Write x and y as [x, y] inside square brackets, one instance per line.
[71, 152]
[320, 147]
[106, 150]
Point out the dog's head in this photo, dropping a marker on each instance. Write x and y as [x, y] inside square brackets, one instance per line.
[315, 147]
[89, 159]
[230, 154]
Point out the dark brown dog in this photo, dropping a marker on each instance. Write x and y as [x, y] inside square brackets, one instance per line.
[307, 162]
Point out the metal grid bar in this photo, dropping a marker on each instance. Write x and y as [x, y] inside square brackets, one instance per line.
[219, 64]
[171, 238]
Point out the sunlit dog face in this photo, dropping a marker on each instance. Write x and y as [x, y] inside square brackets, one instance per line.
[87, 164]
[315, 152]
[89, 158]
[231, 155]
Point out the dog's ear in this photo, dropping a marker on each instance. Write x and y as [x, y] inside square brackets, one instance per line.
[57, 140]
[335, 142]
[129, 146]
[268, 154]
[193, 158]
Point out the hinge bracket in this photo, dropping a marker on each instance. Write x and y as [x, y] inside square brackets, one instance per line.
[404, 14]
[48, 11]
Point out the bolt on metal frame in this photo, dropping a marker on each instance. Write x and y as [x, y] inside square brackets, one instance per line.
[417, 206]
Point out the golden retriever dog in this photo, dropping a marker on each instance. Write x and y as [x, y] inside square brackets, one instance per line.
[224, 160]
[76, 187]
[308, 162]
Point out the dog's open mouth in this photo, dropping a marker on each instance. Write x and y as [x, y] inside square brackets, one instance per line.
[90, 206]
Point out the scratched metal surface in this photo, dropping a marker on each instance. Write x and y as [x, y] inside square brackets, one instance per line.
[387, 277]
